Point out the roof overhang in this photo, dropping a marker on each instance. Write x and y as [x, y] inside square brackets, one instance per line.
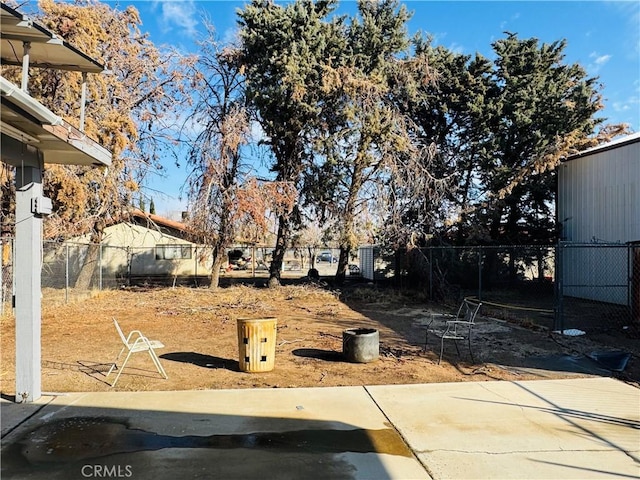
[158, 220]
[47, 50]
[24, 120]
[617, 143]
[28, 121]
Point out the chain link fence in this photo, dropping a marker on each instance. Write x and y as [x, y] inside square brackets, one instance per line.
[567, 286]
[6, 275]
[562, 287]
[72, 271]
[599, 286]
[76, 270]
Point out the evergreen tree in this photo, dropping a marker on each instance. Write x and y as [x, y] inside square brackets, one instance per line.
[285, 51]
[362, 133]
[501, 128]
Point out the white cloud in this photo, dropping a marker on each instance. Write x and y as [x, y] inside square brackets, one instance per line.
[437, 38]
[597, 62]
[630, 12]
[505, 23]
[602, 59]
[630, 103]
[625, 110]
[181, 15]
[230, 36]
[621, 106]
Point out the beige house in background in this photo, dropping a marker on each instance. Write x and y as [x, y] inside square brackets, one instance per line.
[145, 248]
[150, 245]
[150, 249]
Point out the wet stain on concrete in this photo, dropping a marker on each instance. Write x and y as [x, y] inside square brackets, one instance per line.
[84, 439]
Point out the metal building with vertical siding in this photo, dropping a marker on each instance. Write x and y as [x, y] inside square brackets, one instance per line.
[599, 214]
[366, 254]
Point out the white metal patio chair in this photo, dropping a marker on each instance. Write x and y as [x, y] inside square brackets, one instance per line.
[133, 343]
[454, 327]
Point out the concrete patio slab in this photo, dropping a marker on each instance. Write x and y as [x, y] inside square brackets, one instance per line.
[13, 414]
[272, 433]
[555, 429]
[574, 428]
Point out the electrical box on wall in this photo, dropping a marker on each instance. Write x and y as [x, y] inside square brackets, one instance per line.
[41, 206]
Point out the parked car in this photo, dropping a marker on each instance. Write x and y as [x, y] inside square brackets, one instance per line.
[354, 269]
[326, 257]
[238, 261]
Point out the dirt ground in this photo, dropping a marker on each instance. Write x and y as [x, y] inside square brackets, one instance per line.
[198, 329]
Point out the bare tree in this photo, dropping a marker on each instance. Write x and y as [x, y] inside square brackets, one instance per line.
[222, 124]
[225, 197]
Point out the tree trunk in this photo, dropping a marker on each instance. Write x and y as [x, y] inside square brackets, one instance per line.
[225, 237]
[343, 262]
[278, 253]
[348, 217]
[218, 260]
[312, 257]
[513, 276]
[541, 265]
[92, 259]
[491, 254]
[461, 234]
[91, 262]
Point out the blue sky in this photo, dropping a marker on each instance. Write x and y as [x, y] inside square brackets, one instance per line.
[603, 36]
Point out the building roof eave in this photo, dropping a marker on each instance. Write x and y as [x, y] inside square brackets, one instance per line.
[28, 121]
[47, 50]
[617, 143]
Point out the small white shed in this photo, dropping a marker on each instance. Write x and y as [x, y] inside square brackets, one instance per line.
[366, 254]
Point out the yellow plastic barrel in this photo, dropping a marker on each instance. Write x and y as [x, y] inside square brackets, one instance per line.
[257, 344]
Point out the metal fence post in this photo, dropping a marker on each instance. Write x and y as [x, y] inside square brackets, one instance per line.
[13, 274]
[66, 275]
[373, 265]
[431, 273]
[195, 265]
[480, 273]
[2, 277]
[129, 262]
[629, 280]
[634, 282]
[559, 313]
[100, 267]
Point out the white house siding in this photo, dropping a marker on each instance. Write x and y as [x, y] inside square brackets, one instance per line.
[141, 244]
[125, 246]
[599, 203]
